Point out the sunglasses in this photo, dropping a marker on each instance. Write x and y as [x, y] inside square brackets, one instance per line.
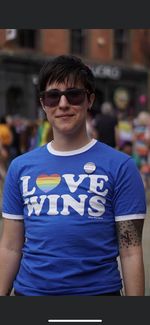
[75, 96]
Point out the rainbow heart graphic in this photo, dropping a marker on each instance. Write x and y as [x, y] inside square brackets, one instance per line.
[47, 183]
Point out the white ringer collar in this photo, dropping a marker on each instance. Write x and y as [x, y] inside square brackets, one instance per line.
[71, 152]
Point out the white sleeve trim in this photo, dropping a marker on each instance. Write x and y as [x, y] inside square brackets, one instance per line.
[130, 217]
[12, 216]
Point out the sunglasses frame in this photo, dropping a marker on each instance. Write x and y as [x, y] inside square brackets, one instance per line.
[65, 93]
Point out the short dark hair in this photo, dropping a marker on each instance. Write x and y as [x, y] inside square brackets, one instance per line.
[66, 68]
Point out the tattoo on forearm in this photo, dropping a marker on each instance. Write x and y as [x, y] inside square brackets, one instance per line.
[129, 232]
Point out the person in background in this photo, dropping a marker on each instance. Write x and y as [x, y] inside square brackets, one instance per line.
[105, 125]
[3, 159]
[32, 130]
[14, 149]
[128, 148]
[6, 139]
[124, 130]
[3, 162]
[141, 135]
[76, 203]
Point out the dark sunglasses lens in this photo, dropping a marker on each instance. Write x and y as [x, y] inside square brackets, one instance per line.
[75, 96]
[51, 99]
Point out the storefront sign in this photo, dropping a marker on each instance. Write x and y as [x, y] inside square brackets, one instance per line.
[106, 71]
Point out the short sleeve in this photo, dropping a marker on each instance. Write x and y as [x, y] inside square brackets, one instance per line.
[129, 201]
[12, 202]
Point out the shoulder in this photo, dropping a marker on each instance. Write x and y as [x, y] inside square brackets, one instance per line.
[111, 153]
[29, 157]
[114, 161]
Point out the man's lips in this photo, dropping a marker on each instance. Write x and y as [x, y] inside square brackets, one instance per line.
[64, 115]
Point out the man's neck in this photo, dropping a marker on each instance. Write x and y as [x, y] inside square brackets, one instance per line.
[69, 143]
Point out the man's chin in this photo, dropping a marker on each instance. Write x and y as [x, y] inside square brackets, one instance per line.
[65, 130]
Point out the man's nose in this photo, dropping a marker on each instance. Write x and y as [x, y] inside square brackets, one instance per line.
[63, 101]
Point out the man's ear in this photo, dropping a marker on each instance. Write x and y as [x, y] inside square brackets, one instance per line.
[91, 99]
[42, 104]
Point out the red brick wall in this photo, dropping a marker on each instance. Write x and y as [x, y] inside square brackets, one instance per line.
[2, 37]
[54, 41]
[100, 45]
[137, 55]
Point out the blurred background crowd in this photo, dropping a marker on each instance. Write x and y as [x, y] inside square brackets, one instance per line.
[120, 61]
[126, 133]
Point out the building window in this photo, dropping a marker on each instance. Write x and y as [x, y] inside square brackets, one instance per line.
[121, 44]
[77, 41]
[26, 38]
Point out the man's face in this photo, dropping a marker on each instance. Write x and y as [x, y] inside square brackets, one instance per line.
[67, 117]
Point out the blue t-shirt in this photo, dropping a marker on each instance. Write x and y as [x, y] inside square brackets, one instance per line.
[70, 202]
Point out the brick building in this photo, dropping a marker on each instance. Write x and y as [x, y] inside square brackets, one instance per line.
[119, 59]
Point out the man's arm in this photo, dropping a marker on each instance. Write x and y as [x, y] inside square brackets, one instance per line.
[11, 243]
[131, 256]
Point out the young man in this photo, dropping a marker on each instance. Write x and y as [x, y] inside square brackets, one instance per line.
[72, 206]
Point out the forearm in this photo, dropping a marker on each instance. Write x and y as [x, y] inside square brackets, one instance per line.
[131, 256]
[133, 271]
[9, 265]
